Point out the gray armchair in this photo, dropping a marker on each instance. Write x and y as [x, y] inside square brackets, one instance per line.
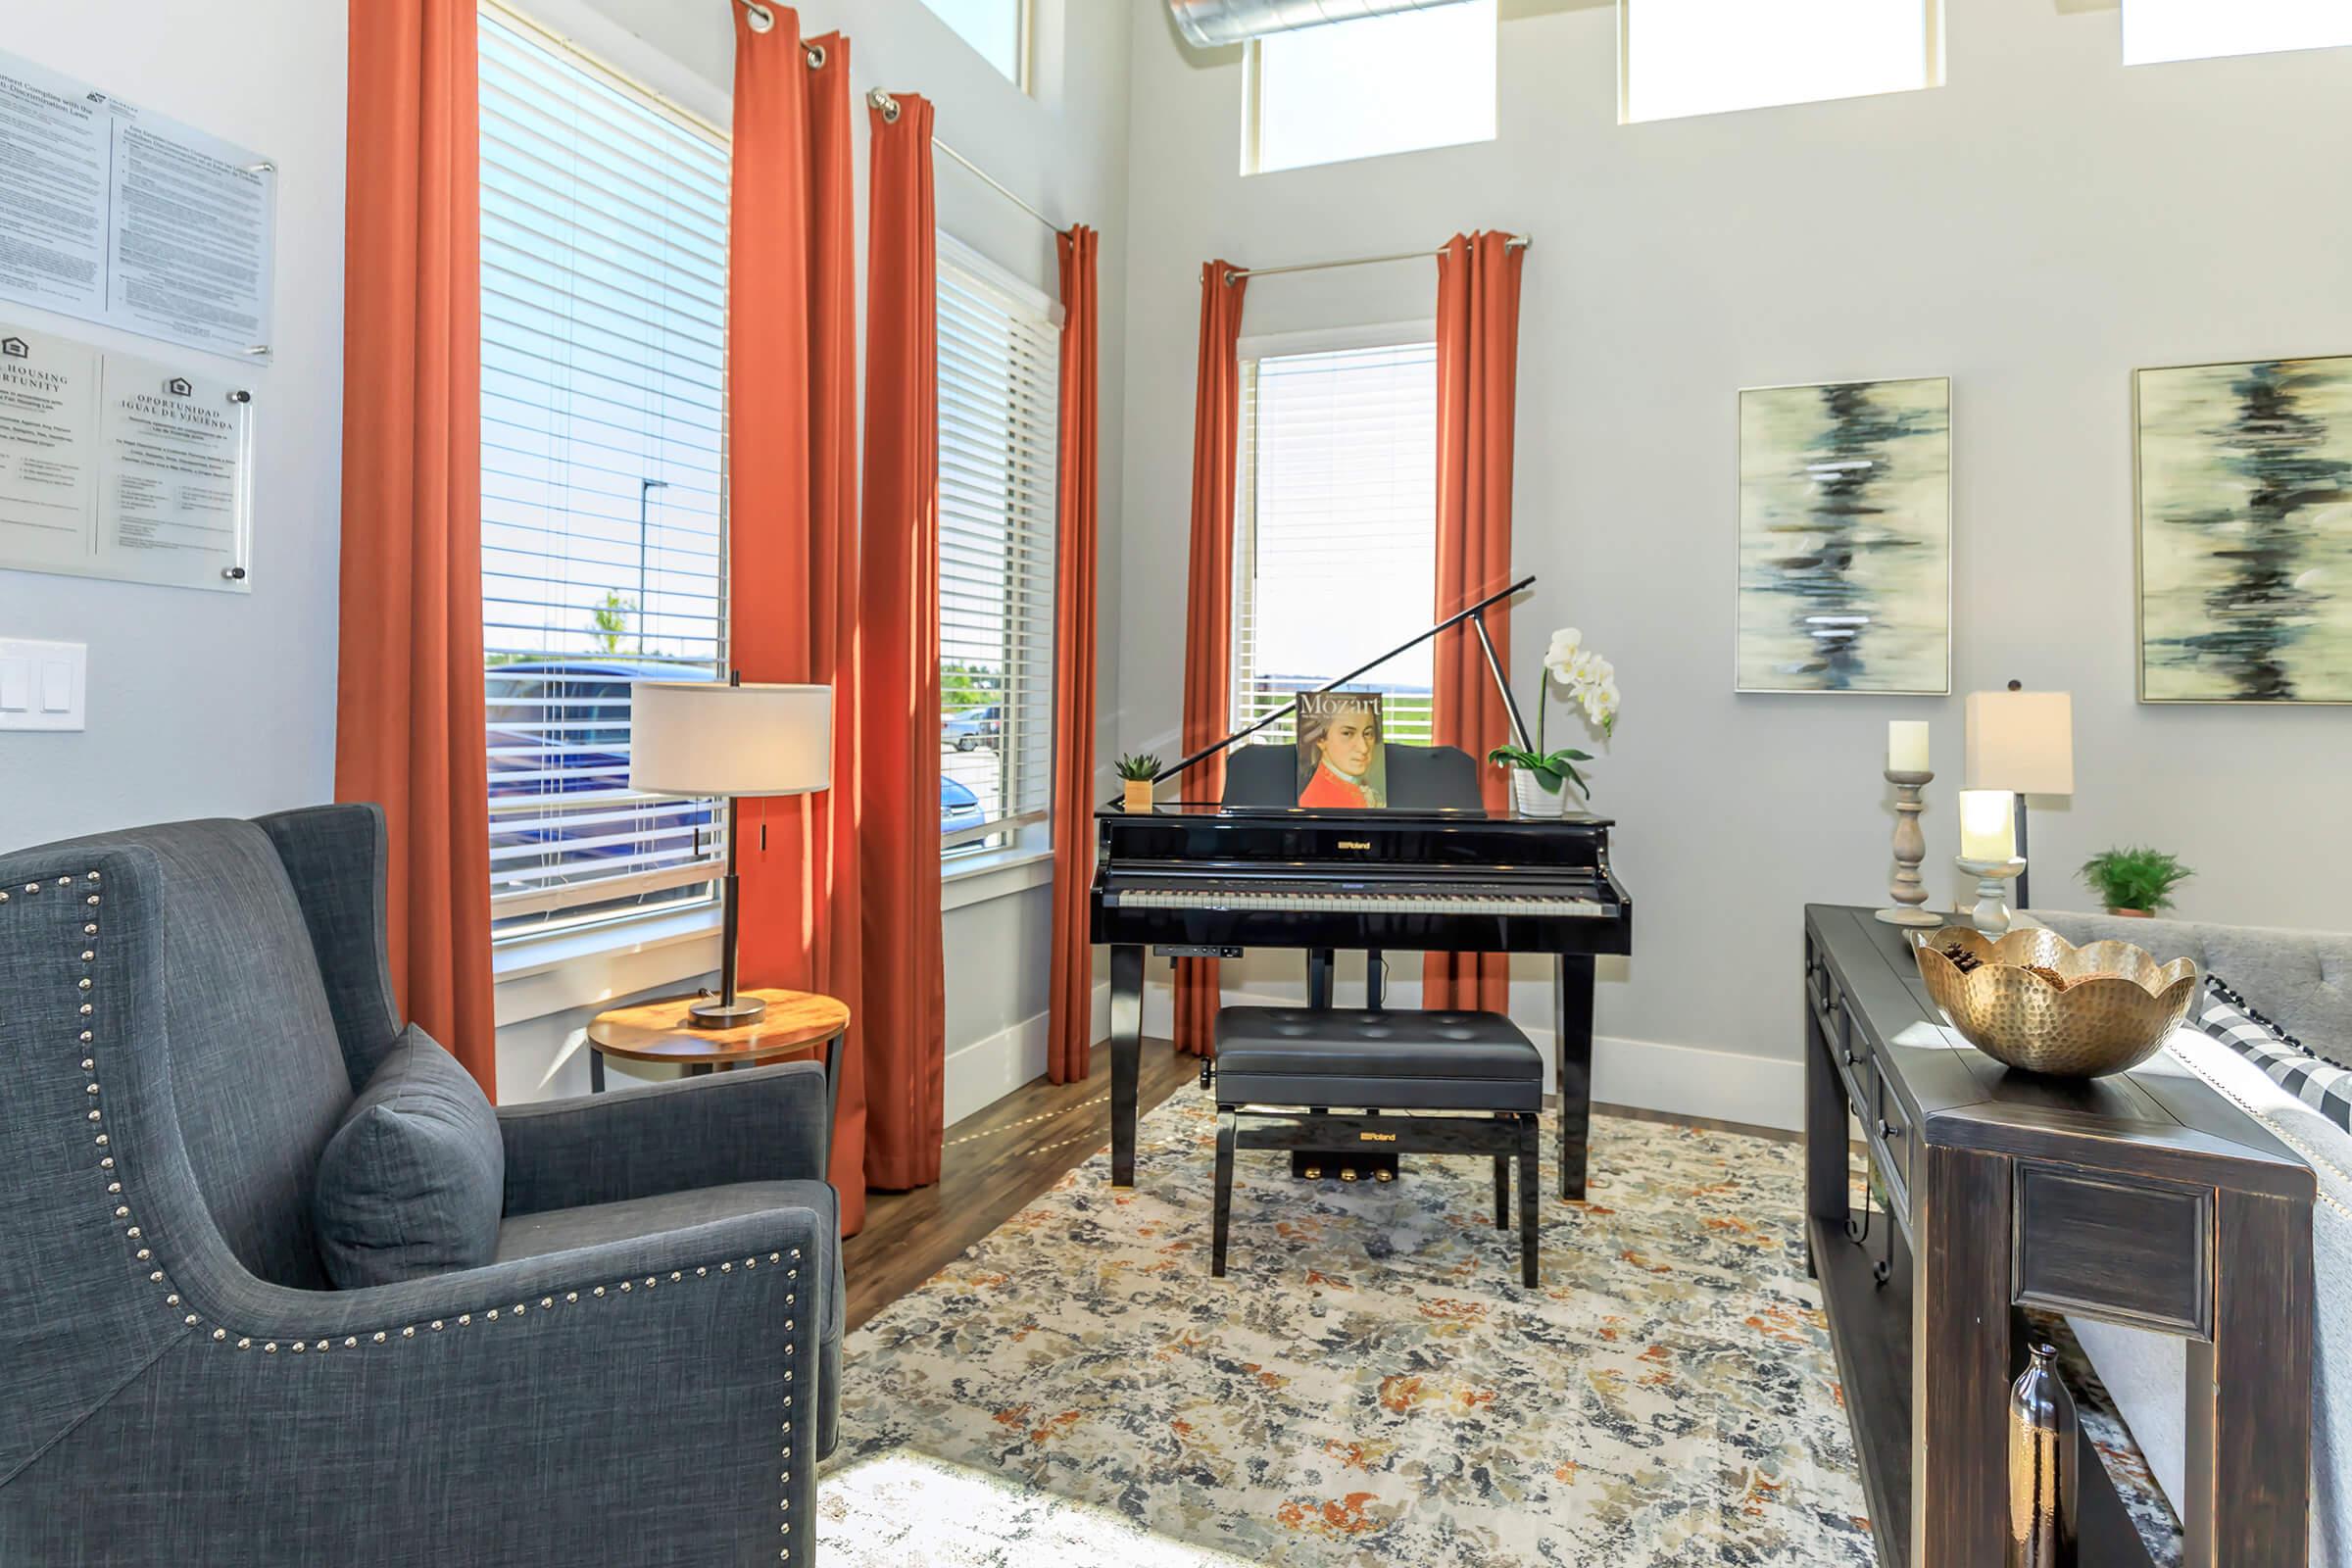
[645, 1372]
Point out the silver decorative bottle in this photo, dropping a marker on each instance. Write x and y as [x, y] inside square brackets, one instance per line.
[2041, 1466]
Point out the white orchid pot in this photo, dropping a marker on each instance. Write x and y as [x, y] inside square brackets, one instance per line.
[1534, 800]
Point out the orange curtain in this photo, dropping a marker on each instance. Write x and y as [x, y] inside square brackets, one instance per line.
[409, 691]
[1208, 597]
[1478, 378]
[792, 505]
[1073, 990]
[905, 1007]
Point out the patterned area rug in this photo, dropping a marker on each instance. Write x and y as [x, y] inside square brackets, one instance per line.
[1368, 1385]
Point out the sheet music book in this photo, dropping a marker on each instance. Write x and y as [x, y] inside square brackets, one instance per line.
[1342, 761]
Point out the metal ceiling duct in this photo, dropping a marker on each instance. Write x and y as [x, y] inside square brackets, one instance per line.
[1212, 23]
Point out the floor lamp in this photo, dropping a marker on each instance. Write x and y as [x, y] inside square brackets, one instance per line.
[2022, 742]
[699, 739]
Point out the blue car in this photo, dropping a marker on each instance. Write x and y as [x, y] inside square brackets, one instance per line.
[559, 738]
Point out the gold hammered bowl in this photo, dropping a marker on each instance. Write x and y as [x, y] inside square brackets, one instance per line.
[2110, 1009]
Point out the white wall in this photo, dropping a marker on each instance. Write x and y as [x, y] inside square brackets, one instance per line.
[205, 704]
[2034, 230]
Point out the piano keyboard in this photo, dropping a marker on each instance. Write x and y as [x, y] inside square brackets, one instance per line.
[1324, 901]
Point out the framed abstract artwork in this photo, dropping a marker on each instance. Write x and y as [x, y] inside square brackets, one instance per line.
[1845, 538]
[2245, 532]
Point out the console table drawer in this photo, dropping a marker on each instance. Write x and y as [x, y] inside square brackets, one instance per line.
[2135, 1250]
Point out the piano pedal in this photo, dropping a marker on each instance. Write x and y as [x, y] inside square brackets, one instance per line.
[1314, 1165]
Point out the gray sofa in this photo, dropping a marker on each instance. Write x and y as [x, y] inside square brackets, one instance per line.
[2302, 981]
[645, 1373]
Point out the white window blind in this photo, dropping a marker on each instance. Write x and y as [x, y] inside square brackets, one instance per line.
[998, 371]
[604, 293]
[1335, 530]
[1707, 56]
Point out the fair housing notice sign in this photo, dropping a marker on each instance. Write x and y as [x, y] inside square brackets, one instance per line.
[113, 214]
[113, 465]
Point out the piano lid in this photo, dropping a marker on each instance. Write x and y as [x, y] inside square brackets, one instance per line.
[1475, 615]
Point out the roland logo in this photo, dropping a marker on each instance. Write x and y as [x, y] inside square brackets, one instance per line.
[1355, 844]
[1377, 1138]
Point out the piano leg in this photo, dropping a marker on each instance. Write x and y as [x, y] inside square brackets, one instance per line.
[1572, 1015]
[1321, 965]
[1126, 1057]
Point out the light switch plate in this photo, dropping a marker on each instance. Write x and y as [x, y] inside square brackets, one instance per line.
[42, 685]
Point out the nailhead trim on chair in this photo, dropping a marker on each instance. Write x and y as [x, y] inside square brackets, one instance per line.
[219, 1334]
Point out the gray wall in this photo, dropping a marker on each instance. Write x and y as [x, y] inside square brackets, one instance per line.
[2034, 230]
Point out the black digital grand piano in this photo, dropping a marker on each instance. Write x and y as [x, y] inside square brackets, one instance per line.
[1433, 872]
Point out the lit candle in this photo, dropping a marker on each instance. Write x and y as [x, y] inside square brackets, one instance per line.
[1907, 746]
[1987, 831]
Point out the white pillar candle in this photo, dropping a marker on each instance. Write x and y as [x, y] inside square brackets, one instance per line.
[1907, 746]
[1988, 830]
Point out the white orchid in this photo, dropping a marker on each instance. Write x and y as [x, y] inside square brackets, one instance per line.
[1565, 644]
[1590, 679]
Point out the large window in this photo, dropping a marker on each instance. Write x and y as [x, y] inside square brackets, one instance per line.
[1335, 548]
[1703, 57]
[998, 28]
[1375, 85]
[2160, 30]
[603, 292]
[999, 352]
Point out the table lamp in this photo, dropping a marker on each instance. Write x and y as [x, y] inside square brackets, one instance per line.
[2022, 742]
[696, 738]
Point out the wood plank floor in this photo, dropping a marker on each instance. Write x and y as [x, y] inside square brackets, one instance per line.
[997, 1159]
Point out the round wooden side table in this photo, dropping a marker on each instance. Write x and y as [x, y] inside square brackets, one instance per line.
[795, 1023]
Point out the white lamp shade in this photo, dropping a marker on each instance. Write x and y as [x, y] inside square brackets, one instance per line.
[696, 737]
[2022, 742]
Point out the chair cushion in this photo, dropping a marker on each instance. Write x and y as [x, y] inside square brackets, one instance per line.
[414, 1181]
[1390, 1061]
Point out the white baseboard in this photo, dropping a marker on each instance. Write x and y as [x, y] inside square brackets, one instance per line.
[985, 1071]
[1645, 1074]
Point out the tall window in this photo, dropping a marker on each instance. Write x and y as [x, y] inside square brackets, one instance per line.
[1368, 87]
[999, 354]
[998, 28]
[1704, 57]
[2160, 30]
[603, 511]
[1335, 530]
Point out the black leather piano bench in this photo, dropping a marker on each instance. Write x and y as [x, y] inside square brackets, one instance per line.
[1403, 1082]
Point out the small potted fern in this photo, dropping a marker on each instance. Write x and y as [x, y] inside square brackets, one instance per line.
[2136, 881]
[1136, 772]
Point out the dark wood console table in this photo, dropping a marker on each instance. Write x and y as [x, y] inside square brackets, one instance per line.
[2146, 1198]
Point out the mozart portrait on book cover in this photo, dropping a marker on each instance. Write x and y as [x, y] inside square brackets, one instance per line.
[1342, 762]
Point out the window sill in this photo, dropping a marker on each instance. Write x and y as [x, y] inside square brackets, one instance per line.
[1000, 873]
[550, 974]
[542, 976]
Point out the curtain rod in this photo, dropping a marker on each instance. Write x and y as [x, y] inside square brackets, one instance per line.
[1516, 242]
[890, 111]
[763, 19]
